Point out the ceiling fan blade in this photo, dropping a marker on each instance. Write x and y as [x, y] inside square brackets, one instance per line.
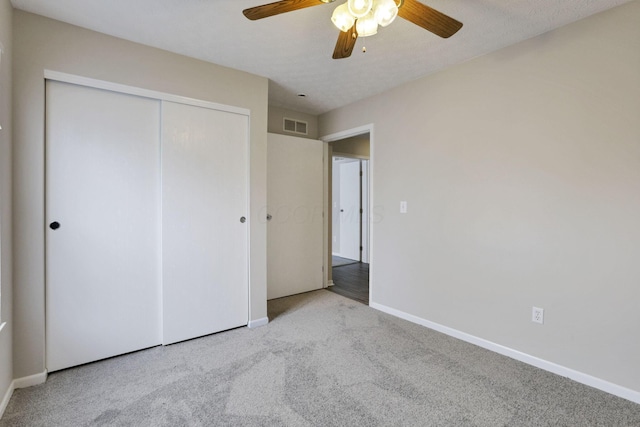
[429, 19]
[346, 42]
[279, 7]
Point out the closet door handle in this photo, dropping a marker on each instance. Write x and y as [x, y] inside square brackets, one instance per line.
[54, 225]
[243, 219]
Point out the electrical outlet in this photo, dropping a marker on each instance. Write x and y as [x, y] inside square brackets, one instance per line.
[537, 315]
[403, 207]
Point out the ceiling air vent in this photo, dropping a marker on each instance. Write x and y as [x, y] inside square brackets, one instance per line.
[295, 126]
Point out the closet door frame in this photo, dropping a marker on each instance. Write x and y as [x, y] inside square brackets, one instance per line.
[132, 90]
[162, 96]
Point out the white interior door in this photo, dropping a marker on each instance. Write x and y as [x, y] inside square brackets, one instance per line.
[102, 189]
[295, 203]
[350, 209]
[204, 197]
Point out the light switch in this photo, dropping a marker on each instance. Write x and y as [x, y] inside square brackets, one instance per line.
[403, 207]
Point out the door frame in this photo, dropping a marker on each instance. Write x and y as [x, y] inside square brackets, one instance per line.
[145, 93]
[360, 130]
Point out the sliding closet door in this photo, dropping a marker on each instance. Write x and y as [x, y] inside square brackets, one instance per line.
[204, 221]
[102, 243]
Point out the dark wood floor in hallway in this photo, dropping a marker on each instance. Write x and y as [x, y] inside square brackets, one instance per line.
[352, 281]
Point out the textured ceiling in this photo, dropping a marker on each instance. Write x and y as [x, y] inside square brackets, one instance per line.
[294, 49]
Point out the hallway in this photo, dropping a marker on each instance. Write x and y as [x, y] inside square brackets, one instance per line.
[352, 281]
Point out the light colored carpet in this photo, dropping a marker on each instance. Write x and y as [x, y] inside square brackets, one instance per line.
[324, 360]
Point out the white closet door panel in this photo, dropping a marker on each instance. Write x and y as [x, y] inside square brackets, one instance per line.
[295, 202]
[103, 187]
[204, 195]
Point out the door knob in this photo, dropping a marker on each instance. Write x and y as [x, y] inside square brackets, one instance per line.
[54, 225]
[269, 217]
[243, 219]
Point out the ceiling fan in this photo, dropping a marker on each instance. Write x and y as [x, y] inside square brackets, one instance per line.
[360, 18]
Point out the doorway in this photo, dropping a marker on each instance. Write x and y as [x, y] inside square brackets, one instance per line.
[349, 210]
[348, 237]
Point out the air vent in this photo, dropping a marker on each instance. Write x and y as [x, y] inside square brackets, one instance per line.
[295, 126]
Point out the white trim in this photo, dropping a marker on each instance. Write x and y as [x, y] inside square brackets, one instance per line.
[21, 383]
[563, 371]
[258, 322]
[31, 380]
[249, 223]
[2, 325]
[350, 156]
[348, 133]
[330, 283]
[132, 90]
[326, 238]
[6, 398]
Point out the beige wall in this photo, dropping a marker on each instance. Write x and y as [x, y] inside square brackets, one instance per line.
[41, 44]
[276, 118]
[6, 369]
[357, 145]
[522, 174]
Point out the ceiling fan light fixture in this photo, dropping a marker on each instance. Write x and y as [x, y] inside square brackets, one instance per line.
[367, 26]
[360, 18]
[385, 11]
[359, 8]
[342, 18]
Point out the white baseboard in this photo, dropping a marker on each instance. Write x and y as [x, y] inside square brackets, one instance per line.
[577, 376]
[6, 398]
[21, 383]
[330, 283]
[258, 322]
[30, 380]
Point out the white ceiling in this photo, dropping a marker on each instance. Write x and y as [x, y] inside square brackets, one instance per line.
[294, 49]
